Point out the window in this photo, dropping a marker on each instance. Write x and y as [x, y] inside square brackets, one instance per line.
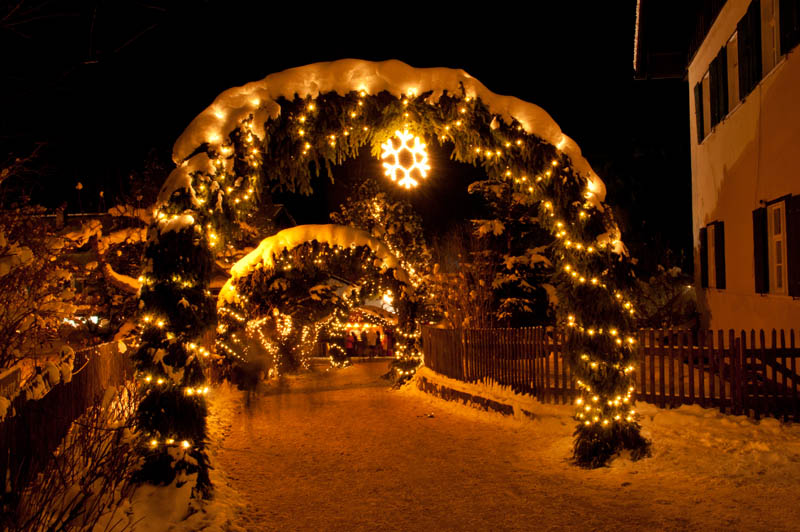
[702, 108]
[698, 111]
[712, 266]
[776, 229]
[706, 106]
[712, 256]
[748, 33]
[769, 35]
[789, 17]
[732, 56]
[718, 84]
[776, 247]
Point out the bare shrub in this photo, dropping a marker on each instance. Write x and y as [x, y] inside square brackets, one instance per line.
[88, 477]
[462, 281]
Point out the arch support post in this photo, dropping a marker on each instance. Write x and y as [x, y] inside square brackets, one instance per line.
[176, 308]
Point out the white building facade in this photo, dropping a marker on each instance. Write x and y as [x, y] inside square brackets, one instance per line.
[744, 84]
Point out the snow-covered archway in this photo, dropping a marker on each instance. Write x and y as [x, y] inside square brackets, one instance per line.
[258, 103]
[273, 133]
[288, 239]
[301, 281]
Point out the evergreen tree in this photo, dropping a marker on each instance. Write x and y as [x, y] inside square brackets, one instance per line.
[515, 244]
[393, 221]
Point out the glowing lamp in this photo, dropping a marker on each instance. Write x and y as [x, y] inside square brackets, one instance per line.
[405, 159]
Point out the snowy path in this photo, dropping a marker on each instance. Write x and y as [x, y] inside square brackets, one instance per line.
[343, 452]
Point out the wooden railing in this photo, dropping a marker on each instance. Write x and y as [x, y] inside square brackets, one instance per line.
[740, 373]
[36, 428]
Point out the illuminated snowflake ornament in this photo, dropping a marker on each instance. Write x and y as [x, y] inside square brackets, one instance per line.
[405, 159]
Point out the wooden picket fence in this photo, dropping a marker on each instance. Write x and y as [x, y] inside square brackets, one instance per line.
[744, 373]
[36, 428]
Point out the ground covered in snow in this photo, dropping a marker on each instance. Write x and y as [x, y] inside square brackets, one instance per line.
[341, 451]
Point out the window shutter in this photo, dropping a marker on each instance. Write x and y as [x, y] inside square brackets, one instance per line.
[719, 253]
[749, 32]
[732, 67]
[760, 259]
[789, 12]
[698, 110]
[713, 74]
[704, 257]
[722, 86]
[718, 72]
[793, 244]
[743, 31]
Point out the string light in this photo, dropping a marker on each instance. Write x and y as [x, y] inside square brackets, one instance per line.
[569, 226]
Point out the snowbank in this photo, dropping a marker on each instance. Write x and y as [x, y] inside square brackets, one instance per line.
[522, 405]
[681, 437]
[258, 98]
[162, 508]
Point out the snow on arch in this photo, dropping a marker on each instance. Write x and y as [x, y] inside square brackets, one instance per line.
[288, 239]
[258, 98]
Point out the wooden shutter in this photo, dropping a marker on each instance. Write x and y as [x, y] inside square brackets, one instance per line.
[732, 68]
[719, 253]
[713, 74]
[722, 86]
[760, 250]
[745, 44]
[718, 72]
[703, 257]
[749, 32]
[698, 109]
[789, 13]
[793, 244]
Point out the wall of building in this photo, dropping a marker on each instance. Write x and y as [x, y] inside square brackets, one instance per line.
[752, 156]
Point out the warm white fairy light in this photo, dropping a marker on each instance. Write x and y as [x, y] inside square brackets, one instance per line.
[406, 159]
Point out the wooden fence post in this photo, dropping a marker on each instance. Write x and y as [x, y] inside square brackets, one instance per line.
[736, 363]
[753, 376]
[681, 356]
[690, 355]
[794, 376]
[702, 350]
[783, 389]
[721, 367]
[763, 365]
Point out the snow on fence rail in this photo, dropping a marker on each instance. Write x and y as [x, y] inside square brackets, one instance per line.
[28, 437]
[740, 373]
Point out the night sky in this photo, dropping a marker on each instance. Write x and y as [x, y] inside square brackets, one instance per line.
[104, 84]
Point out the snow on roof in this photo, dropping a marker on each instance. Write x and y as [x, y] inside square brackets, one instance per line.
[258, 98]
[333, 235]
